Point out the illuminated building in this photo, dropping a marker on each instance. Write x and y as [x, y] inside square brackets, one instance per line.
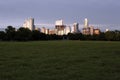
[43, 30]
[75, 28]
[97, 31]
[67, 30]
[59, 26]
[86, 23]
[29, 23]
[52, 32]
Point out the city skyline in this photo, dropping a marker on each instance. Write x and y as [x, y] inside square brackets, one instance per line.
[13, 12]
[102, 27]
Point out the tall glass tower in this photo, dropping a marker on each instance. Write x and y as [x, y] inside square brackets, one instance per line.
[86, 23]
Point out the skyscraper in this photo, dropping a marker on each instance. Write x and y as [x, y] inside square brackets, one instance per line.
[59, 27]
[91, 30]
[86, 23]
[29, 23]
[75, 28]
[67, 30]
[43, 30]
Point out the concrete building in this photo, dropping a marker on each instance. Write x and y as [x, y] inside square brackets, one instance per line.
[96, 31]
[43, 30]
[29, 23]
[75, 28]
[47, 31]
[59, 23]
[59, 27]
[67, 30]
[91, 30]
[52, 31]
[86, 23]
[86, 31]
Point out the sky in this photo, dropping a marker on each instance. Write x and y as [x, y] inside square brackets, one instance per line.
[14, 12]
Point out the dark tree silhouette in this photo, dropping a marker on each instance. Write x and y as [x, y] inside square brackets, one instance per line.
[10, 33]
[23, 34]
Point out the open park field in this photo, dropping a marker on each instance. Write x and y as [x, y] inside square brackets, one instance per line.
[60, 60]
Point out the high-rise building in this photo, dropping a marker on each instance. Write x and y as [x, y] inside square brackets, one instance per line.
[91, 30]
[47, 31]
[59, 27]
[86, 31]
[29, 23]
[59, 22]
[86, 23]
[75, 28]
[51, 32]
[43, 30]
[67, 30]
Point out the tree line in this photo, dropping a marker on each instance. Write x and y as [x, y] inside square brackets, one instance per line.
[24, 34]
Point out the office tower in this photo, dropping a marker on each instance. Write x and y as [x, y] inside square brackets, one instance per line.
[67, 30]
[91, 30]
[72, 29]
[59, 26]
[52, 31]
[43, 30]
[86, 23]
[29, 23]
[59, 22]
[86, 31]
[47, 31]
[75, 28]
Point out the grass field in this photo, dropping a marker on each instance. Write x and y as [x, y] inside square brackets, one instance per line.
[60, 60]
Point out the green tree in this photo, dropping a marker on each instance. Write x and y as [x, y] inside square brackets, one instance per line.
[10, 33]
[35, 35]
[110, 35]
[2, 35]
[23, 34]
[117, 35]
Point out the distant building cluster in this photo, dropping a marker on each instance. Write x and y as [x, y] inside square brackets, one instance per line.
[62, 29]
[89, 30]
[29, 23]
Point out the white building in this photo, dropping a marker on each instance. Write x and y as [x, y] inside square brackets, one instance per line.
[75, 28]
[59, 23]
[67, 30]
[59, 27]
[86, 23]
[43, 30]
[91, 30]
[29, 23]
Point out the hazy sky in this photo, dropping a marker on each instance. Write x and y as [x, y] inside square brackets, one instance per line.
[14, 12]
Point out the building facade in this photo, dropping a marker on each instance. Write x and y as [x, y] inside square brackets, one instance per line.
[86, 23]
[59, 27]
[29, 23]
[75, 28]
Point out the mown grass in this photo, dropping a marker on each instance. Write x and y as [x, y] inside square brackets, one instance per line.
[60, 60]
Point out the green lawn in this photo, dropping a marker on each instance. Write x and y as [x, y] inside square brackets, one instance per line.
[60, 60]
